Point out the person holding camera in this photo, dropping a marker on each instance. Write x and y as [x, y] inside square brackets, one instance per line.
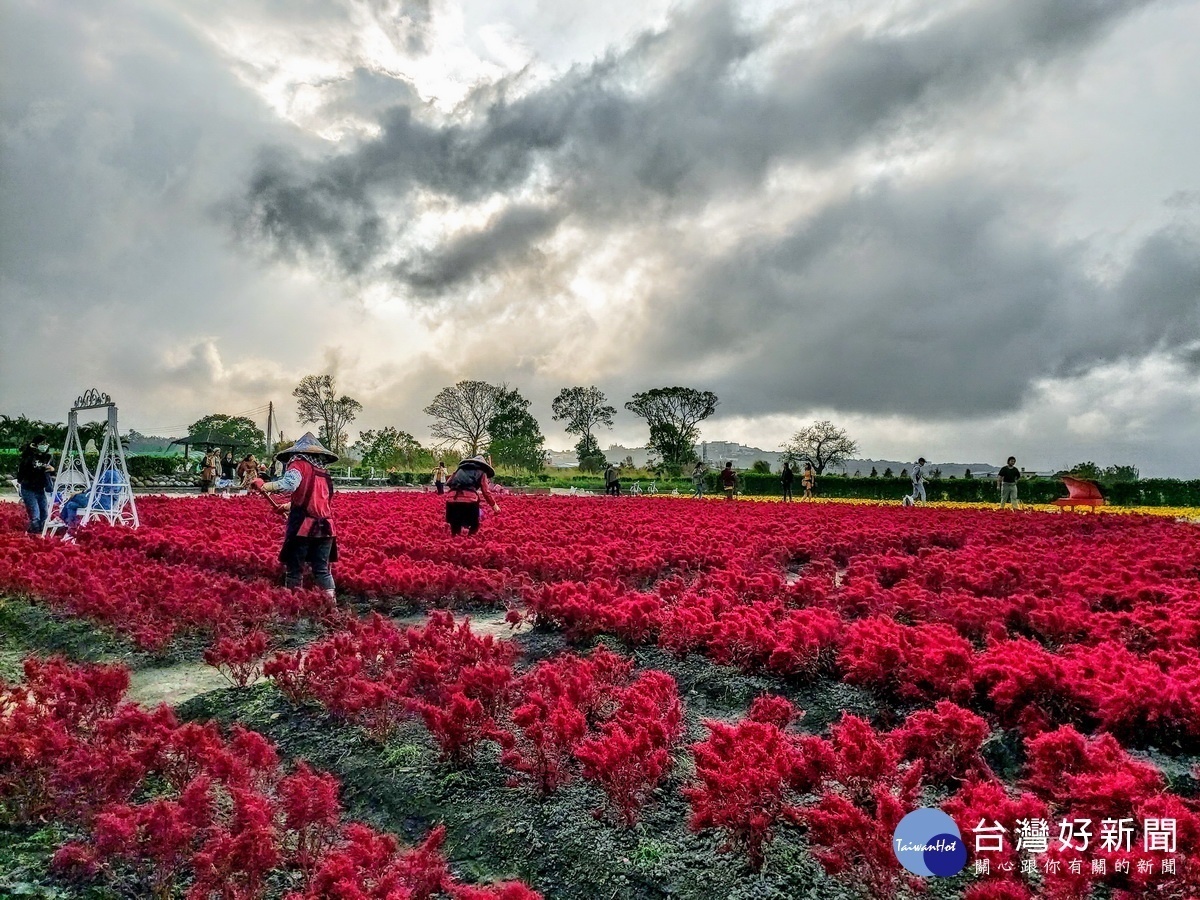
[33, 474]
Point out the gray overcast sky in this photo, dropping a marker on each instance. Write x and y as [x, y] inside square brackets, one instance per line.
[962, 228]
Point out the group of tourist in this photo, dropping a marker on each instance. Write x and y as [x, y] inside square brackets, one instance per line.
[223, 472]
[1006, 480]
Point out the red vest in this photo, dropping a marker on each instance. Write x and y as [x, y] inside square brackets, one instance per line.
[314, 499]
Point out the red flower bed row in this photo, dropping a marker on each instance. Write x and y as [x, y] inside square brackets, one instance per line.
[1057, 579]
[106, 578]
[849, 791]
[565, 717]
[172, 803]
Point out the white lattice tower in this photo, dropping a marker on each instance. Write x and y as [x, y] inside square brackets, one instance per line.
[72, 475]
[109, 491]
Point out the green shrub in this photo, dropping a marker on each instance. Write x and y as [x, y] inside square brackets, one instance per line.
[152, 466]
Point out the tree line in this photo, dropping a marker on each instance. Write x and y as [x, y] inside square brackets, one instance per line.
[474, 417]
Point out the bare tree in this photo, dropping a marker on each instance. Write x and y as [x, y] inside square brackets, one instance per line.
[461, 414]
[318, 403]
[821, 444]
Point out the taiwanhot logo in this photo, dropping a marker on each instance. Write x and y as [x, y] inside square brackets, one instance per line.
[927, 842]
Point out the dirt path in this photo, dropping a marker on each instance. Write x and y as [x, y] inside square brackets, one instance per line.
[174, 684]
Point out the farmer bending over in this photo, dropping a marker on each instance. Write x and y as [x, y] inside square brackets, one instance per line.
[466, 487]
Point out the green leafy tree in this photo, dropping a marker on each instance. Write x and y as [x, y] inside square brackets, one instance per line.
[904, 473]
[583, 408]
[245, 432]
[461, 415]
[317, 403]
[19, 431]
[761, 466]
[887, 473]
[821, 444]
[674, 414]
[1087, 470]
[1121, 474]
[967, 474]
[874, 473]
[591, 457]
[516, 438]
[390, 448]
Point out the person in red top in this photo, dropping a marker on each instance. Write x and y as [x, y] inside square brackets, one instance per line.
[728, 480]
[466, 487]
[309, 537]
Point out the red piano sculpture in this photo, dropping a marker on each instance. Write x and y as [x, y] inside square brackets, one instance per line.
[1081, 493]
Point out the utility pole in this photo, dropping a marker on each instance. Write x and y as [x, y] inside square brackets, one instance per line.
[270, 419]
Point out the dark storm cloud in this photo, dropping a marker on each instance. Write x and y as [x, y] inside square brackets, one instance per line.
[933, 299]
[684, 116]
[1158, 296]
[503, 241]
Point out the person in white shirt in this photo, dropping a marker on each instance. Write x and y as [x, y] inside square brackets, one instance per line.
[918, 481]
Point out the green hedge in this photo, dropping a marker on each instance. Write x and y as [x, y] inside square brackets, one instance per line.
[1147, 492]
[152, 466]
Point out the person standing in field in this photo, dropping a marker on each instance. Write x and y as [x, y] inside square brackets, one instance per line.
[698, 481]
[33, 473]
[918, 481]
[208, 470]
[809, 481]
[1007, 478]
[439, 477]
[612, 481]
[247, 470]
[728, 480]
[468, 486]
[787, 476]
[309, 537]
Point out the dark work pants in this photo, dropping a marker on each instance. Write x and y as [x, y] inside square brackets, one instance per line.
[315, 552]
[37, 507]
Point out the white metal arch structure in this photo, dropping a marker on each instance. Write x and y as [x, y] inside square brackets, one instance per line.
[109, 491]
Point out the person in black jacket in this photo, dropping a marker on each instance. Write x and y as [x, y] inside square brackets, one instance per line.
[787, 477]
[33, 472]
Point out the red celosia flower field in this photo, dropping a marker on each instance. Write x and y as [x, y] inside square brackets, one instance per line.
[1072, 640]
[226, 813]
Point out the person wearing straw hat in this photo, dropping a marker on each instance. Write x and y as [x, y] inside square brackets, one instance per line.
[466, 488]
[309, 537]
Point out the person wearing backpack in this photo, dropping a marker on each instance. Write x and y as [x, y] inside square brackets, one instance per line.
[918, 481]
[787, 476]
[467, 487]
